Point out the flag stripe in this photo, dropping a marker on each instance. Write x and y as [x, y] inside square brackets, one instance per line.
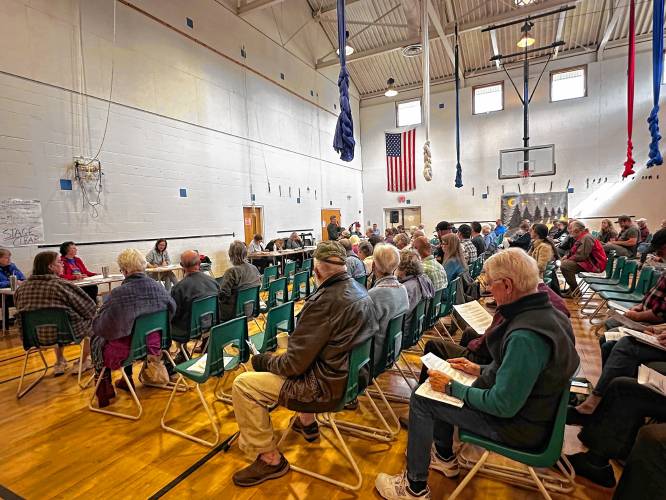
[400, 161]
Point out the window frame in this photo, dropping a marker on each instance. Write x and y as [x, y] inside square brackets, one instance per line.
[493, 84]
[397, 112]
[567, 70]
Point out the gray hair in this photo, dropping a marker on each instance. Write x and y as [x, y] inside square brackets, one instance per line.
[410, 263]
[386, 258]
[515, 265]
[237, 252]
[131, 261]
[365, 247]
[485, 226]
[578, 225]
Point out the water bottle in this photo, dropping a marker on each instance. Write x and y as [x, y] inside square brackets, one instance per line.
[13, 282]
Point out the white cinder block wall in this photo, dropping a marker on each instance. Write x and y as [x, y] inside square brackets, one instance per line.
[589, 136]
[182, 116]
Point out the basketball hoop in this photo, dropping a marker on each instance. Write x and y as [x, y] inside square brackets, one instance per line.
[525, 176]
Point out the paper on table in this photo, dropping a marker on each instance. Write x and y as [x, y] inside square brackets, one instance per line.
[475, 316]
[652, 379]
[435, 363]
[643, 337]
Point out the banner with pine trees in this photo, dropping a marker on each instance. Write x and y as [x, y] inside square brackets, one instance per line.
[535, 207]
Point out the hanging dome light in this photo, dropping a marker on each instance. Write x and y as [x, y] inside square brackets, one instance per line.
[526, 40]
[391, 91]
[349, 50]
[522, 3]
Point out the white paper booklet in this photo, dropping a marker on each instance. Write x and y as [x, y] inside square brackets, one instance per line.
[200, 366]
[432, 362]
[475, 316]
[652, 379]
[614, 336]
[643, 337]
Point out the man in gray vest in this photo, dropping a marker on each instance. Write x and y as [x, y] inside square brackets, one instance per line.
[515, 398]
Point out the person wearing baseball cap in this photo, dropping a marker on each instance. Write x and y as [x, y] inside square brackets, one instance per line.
[626, 243]
[442, 229]
[656, 252]
[311, 376]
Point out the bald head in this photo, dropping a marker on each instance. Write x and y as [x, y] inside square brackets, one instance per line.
[422, 246]
[190, 262]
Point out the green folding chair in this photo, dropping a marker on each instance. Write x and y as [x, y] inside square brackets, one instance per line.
[279, 319]
[358, 360]
[362, 280]
[248, 304]
[217, 362]
[237, 339]
[203, 316]
[300, 288]
[646, 281]
[270, 274]
[31, 323]
[277, 293]
[289, 270]
[586, 283]
[434, 306]
[446, 308]
[307, 266]
[627, 284]
[549, 456]
[143, 326]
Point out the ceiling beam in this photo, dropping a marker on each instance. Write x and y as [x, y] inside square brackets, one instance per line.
[246, 7]
[365, 23]
[495, 47]
[609, 30]
[448, 48]
[449, 30]
[334, 8]
[560, 30]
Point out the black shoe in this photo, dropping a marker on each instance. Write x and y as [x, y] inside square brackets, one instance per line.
[602, 475]
[574, 417]
[352, 405]
[309, 432]
[259, 471]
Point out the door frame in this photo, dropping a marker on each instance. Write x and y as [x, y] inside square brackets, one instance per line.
[261, 207]
[324, 233]
[402, 213]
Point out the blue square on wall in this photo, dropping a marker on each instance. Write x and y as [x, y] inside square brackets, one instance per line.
[190, 23]
[65, 184]
[183, 193]
[484, 196]
[570, 190]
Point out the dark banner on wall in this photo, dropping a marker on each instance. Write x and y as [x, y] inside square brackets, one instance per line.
[536, 207]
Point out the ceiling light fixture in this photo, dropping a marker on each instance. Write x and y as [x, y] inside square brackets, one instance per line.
[526, 40]
[391, 91]
[522, 3]
[349, 50]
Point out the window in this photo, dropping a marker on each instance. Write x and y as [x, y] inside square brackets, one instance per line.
[568, 83]
[487, 98]
[408, 113]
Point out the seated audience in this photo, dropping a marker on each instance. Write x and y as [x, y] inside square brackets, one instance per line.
[333, 229]
[410, 274]
[193, 286]
[454, 261]
[643, 230]
[627, 241]
[566, 241]
[112, 327]
[580, 257]
[73, 268]
[607, 233]
[489, 239]
[159, 257]
[45, 289]
[500, 228]
[311, 376]
[559, 228]
[388, 295]
[515, 398]
[7, 270]
[239, 276]
[389, 235]
[477, 239]
[401, 241]
[355, 266]
[654, 256]
[543, 250]
[365, 253]
[257, 246]
[644, 473]
[369, 233]
[469, 250]
[442, 229]
[374, 240]
[416, 234]
[433, 269]
[611, 430]
[354, 240]
[522, 237]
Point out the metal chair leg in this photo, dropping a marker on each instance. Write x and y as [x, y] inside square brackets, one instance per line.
[113, 413]
[211, 418]
[19, 393]
[539, 484]
[470, 475]
[222, 396]
[90, 379]
[169, 385]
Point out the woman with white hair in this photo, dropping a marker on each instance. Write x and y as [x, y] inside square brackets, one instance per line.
[239, 276]
[411, 274]
[388, 295]
[112, 327]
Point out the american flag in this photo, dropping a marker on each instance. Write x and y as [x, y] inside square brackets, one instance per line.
[400, 164]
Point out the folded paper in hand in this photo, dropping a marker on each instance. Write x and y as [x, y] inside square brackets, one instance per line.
[433, 362]
[643, 337]
[475, 316]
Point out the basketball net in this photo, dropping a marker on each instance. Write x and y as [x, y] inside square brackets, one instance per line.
[525, 176]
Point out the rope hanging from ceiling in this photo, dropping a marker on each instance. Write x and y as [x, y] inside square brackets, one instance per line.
[343, 142]
[629, 163]
[657, 75]
[427, 156]
[456, 68]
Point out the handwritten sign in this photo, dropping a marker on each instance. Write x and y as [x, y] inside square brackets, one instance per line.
[21, 223]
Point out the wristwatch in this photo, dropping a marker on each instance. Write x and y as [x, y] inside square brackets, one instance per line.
[448, 388]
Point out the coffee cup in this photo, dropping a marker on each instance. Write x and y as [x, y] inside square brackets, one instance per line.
[282, 340]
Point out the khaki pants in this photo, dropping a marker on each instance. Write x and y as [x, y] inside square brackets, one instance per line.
[252, 394]
[569, 270]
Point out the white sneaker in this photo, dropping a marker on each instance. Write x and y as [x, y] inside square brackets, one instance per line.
[397, 488]
[59, 368]
[449, 468]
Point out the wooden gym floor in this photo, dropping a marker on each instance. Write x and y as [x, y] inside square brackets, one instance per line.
[52, 446]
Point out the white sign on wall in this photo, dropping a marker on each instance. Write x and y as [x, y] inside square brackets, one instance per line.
[21, 223]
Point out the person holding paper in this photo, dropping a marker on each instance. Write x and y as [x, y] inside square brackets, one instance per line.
[515, 398]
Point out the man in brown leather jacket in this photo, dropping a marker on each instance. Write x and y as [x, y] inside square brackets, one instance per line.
[311, 376]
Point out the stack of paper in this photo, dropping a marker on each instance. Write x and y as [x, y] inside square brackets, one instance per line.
[475, 316]
[652, 379]
[643, 337]
[432, 362]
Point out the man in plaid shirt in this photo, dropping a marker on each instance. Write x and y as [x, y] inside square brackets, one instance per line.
[469, 250]
[433, 269]
[45, 289]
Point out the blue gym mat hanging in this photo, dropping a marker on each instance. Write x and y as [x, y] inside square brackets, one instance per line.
[343, 142]
[459, 182]
[657, 75]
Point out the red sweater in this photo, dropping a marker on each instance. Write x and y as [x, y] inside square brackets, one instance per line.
[68, 269]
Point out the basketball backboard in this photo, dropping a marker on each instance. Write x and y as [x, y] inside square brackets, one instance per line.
[535, 160]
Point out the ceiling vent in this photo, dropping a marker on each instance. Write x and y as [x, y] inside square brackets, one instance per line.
[413, 50]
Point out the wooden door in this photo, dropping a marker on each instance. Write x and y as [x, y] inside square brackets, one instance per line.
[326, 218]
[252, 222]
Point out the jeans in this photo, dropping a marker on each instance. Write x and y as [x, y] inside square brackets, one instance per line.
[606, 347]
[624, 360]
[644, 474]
[613, 426]
[432, 420]
[619, 250]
